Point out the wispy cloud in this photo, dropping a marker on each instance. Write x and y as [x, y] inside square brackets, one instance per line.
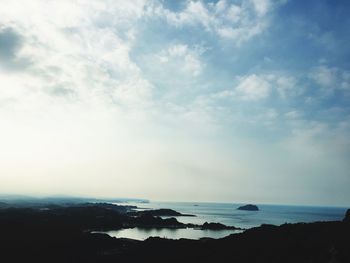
[238, 22]
[331, 79]
[182, 58]
[125, 91]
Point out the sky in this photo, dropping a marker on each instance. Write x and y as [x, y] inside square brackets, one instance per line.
[222, 101]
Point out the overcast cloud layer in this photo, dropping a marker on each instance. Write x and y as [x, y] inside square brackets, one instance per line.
[235, 101]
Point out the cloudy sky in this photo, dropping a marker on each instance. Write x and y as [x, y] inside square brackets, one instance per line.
[234, 101]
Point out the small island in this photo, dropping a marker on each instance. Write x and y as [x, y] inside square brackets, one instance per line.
[217, 226]
[248, 208]
[158, 212]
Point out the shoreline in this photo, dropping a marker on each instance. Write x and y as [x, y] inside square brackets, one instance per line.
[59, 234]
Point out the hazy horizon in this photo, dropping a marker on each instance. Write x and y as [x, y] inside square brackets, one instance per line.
[19, 197]
[225, 101]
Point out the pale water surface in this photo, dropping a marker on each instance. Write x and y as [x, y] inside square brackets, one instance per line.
[190, 233]
[229, 215]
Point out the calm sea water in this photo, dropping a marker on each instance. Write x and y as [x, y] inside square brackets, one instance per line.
[229, 215]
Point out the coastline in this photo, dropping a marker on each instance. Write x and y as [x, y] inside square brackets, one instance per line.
[61, 234]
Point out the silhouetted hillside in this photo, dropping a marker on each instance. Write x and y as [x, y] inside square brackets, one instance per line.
[62, 235]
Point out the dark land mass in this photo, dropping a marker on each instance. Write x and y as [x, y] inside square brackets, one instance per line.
[19, 201]
[249, 208]
[347, 217]
[159, 212]
[63, 234]
[216, 226]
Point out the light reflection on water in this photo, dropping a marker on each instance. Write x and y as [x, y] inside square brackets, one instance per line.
[229, 215]
[190, 233]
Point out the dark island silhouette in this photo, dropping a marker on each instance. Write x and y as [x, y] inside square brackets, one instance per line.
[248, 207]
[66, 233]
[217, 226]
[159, 212]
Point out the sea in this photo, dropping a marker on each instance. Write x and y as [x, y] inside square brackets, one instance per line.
[227, 213]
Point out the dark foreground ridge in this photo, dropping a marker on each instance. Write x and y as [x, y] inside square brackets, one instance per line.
[248, 208]
[63, 234]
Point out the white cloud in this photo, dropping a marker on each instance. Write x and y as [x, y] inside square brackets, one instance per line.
[83, 103]
[287, 86]
[261, 6]
[234, 13]
[294, 114]
[194, 13]
[260, 86]
[324, 76]
[177, 50]
[252, 88]
[78, 108]
[238, 21]
[331, 79]
[86, 54]
[180, 58]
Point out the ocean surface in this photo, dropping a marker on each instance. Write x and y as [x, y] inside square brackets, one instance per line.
[228, 214]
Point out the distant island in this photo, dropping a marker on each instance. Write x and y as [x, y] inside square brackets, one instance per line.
[249, 207]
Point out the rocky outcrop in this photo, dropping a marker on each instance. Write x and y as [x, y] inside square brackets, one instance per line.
[159, 212]
[248, 208]
[149, 221]
[216, 226]
[347, 217]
